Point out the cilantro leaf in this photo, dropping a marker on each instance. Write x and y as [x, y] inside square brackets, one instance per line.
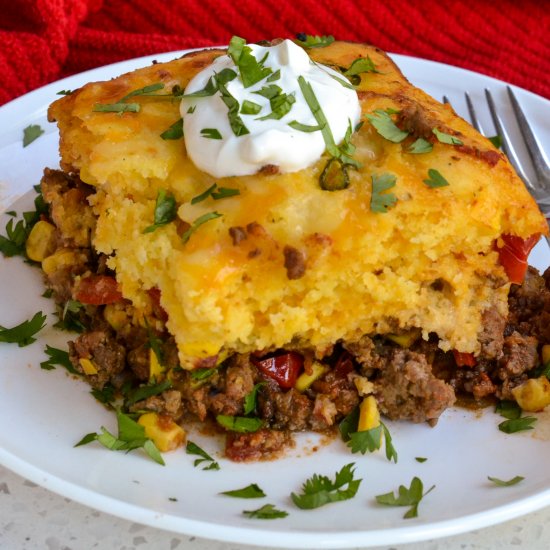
[250, 491]
[147, 390]
[241, 424]
[311, 41]
[267, 511]
[281, 104]
[131, 435]
[216, 193]
[250, 69]
[316, 111]
[420, 146]
[250, 108]
[442, 137]
[116, 108]
[509, 483]
[386, 127]
[194, 449]
[420, 459]
[69, 317]
[435, 179]
[30, 133]
[235, 121]
[198, 222]
[211, 133]
[361, 65]
[366, 440]
[57, 357]
[202, 374]
[175, 131]
[13, 243]
[165, 210]
[64, 92]
[23, 334]
[381, 201]
[106, 395]
[250, 398]
[406, 497]
[143, 91]
[517, 425]
[508, 409]
[496, 141]
[320, 490]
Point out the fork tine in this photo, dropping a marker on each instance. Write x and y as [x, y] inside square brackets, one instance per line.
[473, 116]
[506, 142]
[541, 167]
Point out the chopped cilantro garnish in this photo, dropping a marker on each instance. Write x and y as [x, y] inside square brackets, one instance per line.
[509, 483]
[142, 91]
[435, 179]
[250, 108]
[250, 491]
[69, 317]
[311, 41]
[269, 92]
[381, 201]
[406, 497]
[211, 133]
[13, 243]
[496, 141]
[267, 511]
[30, 133]
[320, 490]
[175, 131]
[131, 435]
[250, 398]
[361, 65]
[241, 424]
[420, 146]
[57, 357]
[194, 449]
[250, 69]
[198, 222]
[508, 409]
[64, 92]
[202, 374]
[274, 77]
[165, 210]
[105, 395]
[304, 127]
[116, 108]
[367, 440]
[442, 137]
[146, 391]
[235, 121]
[280, 104]
[385, 126]
[420, 459]
[517, 425]
[24, 333]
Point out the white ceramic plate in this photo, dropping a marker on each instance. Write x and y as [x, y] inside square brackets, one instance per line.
[44, 413]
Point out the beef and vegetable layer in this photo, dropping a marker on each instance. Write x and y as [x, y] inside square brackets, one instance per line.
[263, 397]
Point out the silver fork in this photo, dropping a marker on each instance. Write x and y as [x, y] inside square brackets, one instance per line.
[538, 186]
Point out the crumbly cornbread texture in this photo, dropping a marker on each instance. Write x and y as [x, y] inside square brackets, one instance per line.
[288, 264]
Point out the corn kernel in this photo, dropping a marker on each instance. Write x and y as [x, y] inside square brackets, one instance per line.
[533, 395]
[305, 379]
[156, 370]
[115, 316]
[41, 241]
[369, 415]
[405, 340]
[545, 353]
[60, 259]
[87, 366]
[165, 433]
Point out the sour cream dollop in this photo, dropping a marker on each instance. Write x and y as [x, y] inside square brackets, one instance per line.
[270, 141]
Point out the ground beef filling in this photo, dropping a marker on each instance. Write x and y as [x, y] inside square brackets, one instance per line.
[414, 382]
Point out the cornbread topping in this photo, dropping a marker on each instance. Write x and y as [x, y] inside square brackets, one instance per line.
[236, 125]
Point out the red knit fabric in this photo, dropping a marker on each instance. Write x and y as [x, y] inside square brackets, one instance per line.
[43, 40]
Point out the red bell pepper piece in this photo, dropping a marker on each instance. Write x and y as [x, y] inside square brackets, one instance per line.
[97, 290]
[513, 255]
[464, 359]
[283, 368]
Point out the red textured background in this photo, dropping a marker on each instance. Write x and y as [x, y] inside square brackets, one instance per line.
[43, 40]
